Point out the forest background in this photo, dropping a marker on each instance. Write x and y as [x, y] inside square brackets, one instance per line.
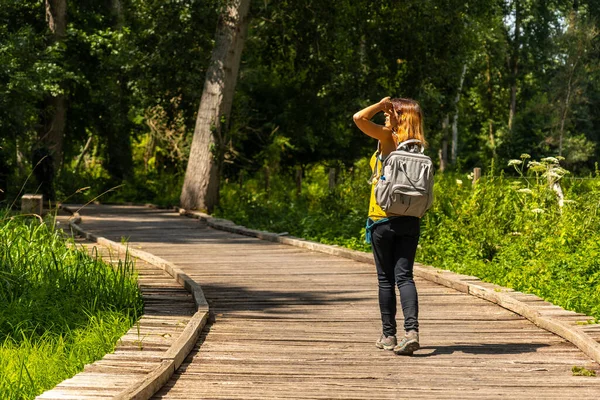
[123, 82]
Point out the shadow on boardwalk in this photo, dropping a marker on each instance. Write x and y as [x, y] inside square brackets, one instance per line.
[232, 298]
[485, 348]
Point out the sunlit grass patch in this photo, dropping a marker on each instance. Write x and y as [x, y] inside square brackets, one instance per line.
[61, 308]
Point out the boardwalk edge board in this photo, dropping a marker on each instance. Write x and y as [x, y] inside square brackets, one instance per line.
[174, 356]
[504, 297]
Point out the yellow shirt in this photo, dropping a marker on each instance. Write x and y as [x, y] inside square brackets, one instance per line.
[375, 212]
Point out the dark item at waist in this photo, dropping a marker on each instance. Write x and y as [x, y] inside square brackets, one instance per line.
[403, 223]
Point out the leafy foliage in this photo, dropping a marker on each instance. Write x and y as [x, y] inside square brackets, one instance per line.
[317, 213]
[307, 67]
[504, 230]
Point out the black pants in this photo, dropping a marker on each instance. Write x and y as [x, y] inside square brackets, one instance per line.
[394, 246]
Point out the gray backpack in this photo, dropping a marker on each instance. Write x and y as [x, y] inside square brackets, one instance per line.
[405, 186]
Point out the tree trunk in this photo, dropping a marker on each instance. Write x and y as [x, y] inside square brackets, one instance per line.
[565, 110]
[362, 51]
[20, 159]
[298, 180]
[241, 178]
[201, 186]
[80, 158]
[331, 178]
[149, 150]
[514, 65]
[117, 12]
[56, 15]
[572, 62]
[443, 151]
[441, 156]
[267, 179]
[454, 150]
[114, 129]
[490, 104]
[54, 116]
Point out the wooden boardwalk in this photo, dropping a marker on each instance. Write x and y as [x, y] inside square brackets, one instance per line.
[291, 323]
[168, 307]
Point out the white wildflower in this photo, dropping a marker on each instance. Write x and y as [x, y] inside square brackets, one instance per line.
[514, 162]
[459, 182]
[537, 211]
[525, 190]
[525, 155]
[548, 160]
[537, 167]
[553, 174]
[560, 171]
[470, 176]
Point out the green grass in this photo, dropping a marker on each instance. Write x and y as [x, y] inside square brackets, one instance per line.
[31, 365]
[505, 230]
[582, 371]
[61, 308]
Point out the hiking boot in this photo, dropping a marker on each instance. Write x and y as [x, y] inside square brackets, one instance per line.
[408, 344]
[386, 342]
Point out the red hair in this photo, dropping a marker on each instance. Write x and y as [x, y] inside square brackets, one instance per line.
[409, 115]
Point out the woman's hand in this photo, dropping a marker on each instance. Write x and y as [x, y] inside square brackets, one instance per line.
[383, 133]
[386, 104]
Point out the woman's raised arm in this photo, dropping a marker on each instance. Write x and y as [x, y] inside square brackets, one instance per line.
[362, 119]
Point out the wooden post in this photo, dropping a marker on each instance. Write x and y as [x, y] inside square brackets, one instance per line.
[554, 185]
[331, 178]
[476, 175]
[32, 204]
[298, 180]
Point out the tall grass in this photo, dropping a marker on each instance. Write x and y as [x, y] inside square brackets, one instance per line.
[61, 308]
[506, 230]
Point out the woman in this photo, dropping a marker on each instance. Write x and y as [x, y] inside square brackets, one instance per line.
[394, 238]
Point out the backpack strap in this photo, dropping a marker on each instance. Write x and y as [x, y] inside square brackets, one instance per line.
[404, 145]
[377, 160]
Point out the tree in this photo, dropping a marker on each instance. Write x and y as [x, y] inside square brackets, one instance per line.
[54, 115]
[25, 79]
[454, 152]
[116, 130]
[578, 40]
[513, 62]
[201, 186]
